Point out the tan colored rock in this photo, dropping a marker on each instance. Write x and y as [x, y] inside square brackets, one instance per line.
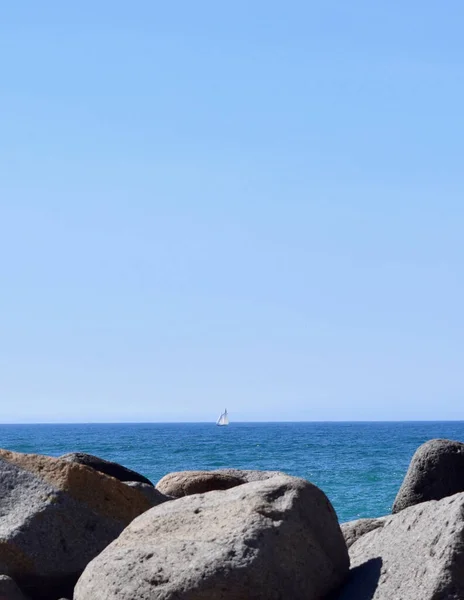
[56, 516]
[105, 466]
[185, 483]
[277, 538]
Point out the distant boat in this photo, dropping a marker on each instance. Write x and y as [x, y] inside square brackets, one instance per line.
[223, 419]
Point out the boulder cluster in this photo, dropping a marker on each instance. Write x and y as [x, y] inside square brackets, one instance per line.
[85, 528]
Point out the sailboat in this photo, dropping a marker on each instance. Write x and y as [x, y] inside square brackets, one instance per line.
[223, 419]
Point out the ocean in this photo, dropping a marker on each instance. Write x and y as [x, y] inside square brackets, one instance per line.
[360, 466]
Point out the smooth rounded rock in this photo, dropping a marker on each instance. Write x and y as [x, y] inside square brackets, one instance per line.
[105, 466]
[436, 471]
[278, 538]
[186, 483]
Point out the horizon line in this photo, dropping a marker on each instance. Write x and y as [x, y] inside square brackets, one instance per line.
[232, 423]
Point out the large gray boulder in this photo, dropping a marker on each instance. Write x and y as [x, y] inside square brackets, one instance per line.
[55, 517]
[9, 590]
[105, 466]
[186, 483]
[436, 471]
[418, 554]
[353, 530]
[277, 538]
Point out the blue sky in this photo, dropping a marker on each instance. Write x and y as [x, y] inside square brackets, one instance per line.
[256, 205]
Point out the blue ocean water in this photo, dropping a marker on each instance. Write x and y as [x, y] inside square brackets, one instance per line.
[359, 466]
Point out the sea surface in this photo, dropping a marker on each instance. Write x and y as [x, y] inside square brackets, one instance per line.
[360, 466]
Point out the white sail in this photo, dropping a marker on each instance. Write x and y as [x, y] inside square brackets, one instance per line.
[223, 419]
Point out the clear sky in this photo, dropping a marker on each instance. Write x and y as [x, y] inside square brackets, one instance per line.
[252, 204]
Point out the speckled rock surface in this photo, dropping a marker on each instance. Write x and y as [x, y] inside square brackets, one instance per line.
[272, 539]
[55, 516]
[418, 554]
[436, 471]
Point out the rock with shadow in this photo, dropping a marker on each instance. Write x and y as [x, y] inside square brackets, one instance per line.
[105, 466]
[276, 538]
[362, 582]
[9, 590]
[418, 554]
[55, 517]
[436, 471]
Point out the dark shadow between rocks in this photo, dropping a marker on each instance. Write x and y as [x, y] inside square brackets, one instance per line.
[362, 581]
[37, 588]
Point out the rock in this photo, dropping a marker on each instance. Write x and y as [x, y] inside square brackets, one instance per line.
[56, 516]
[105, 466]
[185, 483]
[436, 471]
[418, 554]
[277, 538]
[249, 475]
[9, 590]
[353, 530]
[154, 496]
